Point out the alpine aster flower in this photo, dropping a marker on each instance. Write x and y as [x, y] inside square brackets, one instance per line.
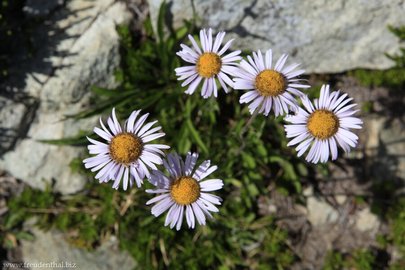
[268, 86]
[184, 191]
[324, 125]
[127, 154]
[208, 64]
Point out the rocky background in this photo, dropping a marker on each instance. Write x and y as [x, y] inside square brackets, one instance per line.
[328, 37]
[75, 46]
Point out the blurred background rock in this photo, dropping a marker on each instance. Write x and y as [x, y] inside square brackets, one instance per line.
[326, 37]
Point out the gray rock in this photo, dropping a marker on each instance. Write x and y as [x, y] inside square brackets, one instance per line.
[49, 250]
[393, 137]
[324, 223]
[367, 221]
[15, 114]
[319, 211]
[90, 45]
[324, 36]
[11, 115]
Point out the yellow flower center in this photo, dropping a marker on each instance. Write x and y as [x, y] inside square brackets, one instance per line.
[323, 124]
[185, 190]
[208, 65]
[270, 83]
[125, 148]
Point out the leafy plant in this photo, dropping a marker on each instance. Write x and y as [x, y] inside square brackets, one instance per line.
[238, 238]
[360, 259]
[396, 237]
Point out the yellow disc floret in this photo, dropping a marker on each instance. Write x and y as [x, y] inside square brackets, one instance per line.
[208, 65]
[185, 190]
[125, 148]
[323, 124]
[270, 83]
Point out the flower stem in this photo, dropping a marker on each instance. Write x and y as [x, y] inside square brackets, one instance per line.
[244, 130]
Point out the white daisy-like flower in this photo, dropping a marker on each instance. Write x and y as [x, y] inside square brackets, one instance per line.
[269, 87]
[184, 192]
[209, 64]
[127, 154]
[323, 125]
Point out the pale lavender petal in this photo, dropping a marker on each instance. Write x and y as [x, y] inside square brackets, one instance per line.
[211, 185]
[226, 47]
[190, 217]
[102, 134]
[195, 46]
[198, 214]
[180, 220]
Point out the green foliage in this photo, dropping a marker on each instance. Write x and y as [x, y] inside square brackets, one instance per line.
[367, 107]
[19, 210]
[398, 31]
[396, 236]
[398, 226]
[87, 216]
[360, 259]
[333, 261]
[394, 77]
[399, 59]
[238, 237]
[382, 190]
[79, 139]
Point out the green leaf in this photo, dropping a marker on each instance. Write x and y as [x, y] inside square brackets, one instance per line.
[105, 105]
[261, 150]
[103, 91]
[125, 35]
[161, 21]
[233, 181]
[248, 161]
[22, 235]
[196, 136]
[14, 218]
[74, 141]
[287, 166]
[289, 171]
[182, 32]
[253, 191]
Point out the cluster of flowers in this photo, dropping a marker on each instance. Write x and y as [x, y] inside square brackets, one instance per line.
[129, 157]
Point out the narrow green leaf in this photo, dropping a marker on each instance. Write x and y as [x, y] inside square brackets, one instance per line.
[22, 235]
[248, 161]
[196, 136]
[161, 21]
[103, 91]
[104, 105]
[181, 32]
[74, 141]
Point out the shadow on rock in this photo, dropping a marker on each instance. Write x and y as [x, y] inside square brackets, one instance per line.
[30, 50]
